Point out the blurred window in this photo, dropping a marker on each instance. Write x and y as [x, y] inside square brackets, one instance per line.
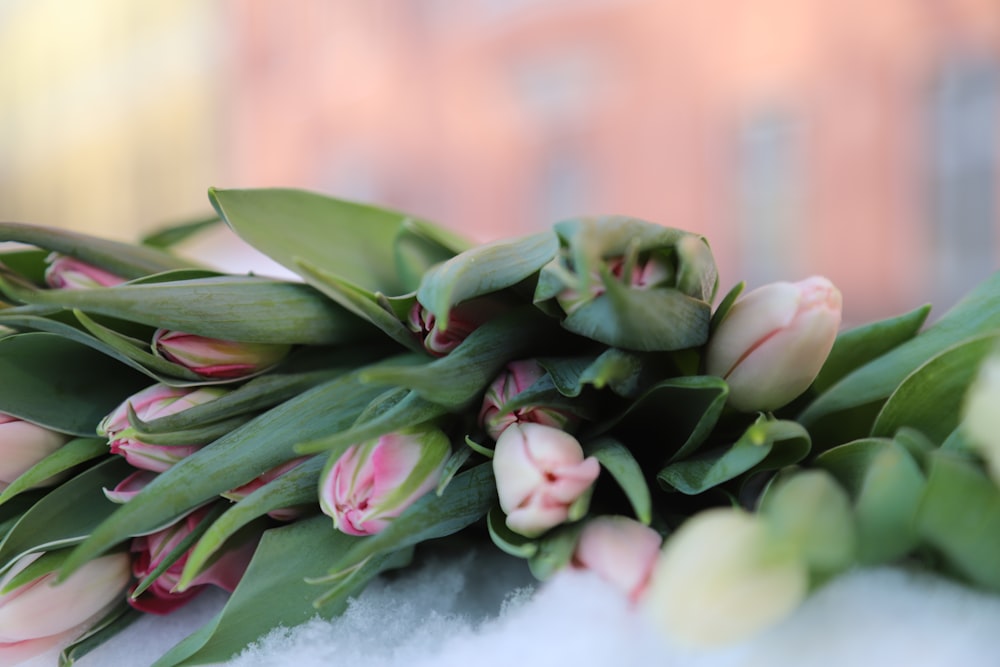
[964, 146]
[769, 195]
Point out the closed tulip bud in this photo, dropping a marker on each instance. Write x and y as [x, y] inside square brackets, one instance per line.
[22, 445]
[620, 550]
[540, 472]
[149, 552]
[982, 415]
[515, 378]
[65, 272]
[152, 403]
[42, 615]
[215, 358]
[773, 342]
[721, 578]
[372, 483]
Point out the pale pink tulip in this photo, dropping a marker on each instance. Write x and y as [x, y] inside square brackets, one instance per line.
[215, 358]
[152, 403]
[42, 615]
[773, 342]
[515, 378]
[148, 552]
[620, 550]
[540, 472]
[22, 445]
[371, 484]
[65, 272]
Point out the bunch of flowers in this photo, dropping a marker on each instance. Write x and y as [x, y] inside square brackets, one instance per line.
[574, 396]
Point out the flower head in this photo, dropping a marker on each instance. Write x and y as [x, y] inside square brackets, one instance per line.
[620, 550]
[22, 445]
[215, 358]
[516, 377]
[65, 272]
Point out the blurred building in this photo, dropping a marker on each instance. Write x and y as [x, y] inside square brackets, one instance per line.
[855, 139]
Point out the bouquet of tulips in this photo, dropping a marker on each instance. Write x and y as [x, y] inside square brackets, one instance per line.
[573, 396]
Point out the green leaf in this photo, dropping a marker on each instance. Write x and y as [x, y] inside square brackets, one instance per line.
[70, 455]
[175, 234]
[115, 621]
[766, 445]
[294, 488]
[455, 379]
[555, 550]
[977, 313]
[231, 461]
[959, 515]
[240, 308]
[67, 514]
[885, 484]
[274, 587]
[506, 539]
[484, 270]
[348, 240]
[618, 461]
[420, 245]
[930, 398]
[123, 259]
[467, 499]
[61, 384]
[725, 305]
[856, 347]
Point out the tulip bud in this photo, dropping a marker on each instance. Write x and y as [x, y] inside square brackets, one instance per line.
[982, 415]
[644, 275]
[620, 550]
[284, 514]
[152, 403]
[773, 342]
[22, 445]
[149, 552]
[370, 484]
[42, 614]
[516, 377]
[129, 488]
[721, 578]
[65, 272]
[439, 343]
[540, 472]
[215, 358]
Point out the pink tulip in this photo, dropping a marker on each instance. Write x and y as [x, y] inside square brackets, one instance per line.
[215, 358]
[42, 615]
[371, 484]
[515, 378]
[773, 342]
[65, 272]
[149, 551]
[621, 551]
[540, 472]
[644, 275]
[129, 488]
[22, 445]
[284, 514]
[439, 343]
[152, 403]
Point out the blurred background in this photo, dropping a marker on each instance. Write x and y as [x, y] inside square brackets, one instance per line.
[855, 139]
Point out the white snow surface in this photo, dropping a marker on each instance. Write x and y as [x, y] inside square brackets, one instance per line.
[483, 609]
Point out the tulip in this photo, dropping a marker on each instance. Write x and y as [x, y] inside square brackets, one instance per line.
[284, 514]
[42, 615]
[721, 578]
[22, 445]
[773, 342]
[129, 488]
[152, 403]
[215, 358]
[149, 552]
[620, 550]
[644, 275]
[65, 272]
[437, 341]
[516, 378]
[982, 415]
[371, 483]
[540, 472]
